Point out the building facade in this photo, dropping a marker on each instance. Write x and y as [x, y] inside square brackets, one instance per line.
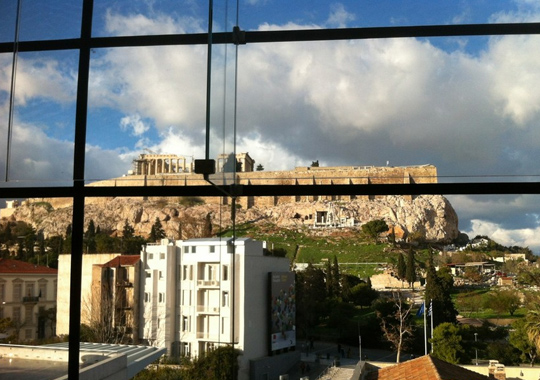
[199, 294]
[28, 297]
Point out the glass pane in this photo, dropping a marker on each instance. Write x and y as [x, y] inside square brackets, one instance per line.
[48, 20]
[32, 234]
[5, 89]
[43, 122]
[8, 16]
[266, 15]
[145, 101]
[127, 18]
[395, 102]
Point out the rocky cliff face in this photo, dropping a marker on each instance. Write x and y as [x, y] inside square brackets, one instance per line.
[431, 216]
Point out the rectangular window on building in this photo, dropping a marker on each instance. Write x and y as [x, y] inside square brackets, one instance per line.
[30, 290]
[161, 297]
[212, 248]
[191, 272]
[28, 311]
[16, 314]
[150, 256]
[161, 274]
[43, 290]
[148, 274]
[146, 297]
[162, 256]
[185, 325]
[185, 272]
[17, 292]
[225, 299]
[193, 249]
[186, 249]
[225, 274]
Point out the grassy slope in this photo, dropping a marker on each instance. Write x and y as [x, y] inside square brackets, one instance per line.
[355, 254]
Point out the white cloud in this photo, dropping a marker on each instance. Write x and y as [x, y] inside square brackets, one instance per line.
[339, 17]
[134, 124]
[524, 237]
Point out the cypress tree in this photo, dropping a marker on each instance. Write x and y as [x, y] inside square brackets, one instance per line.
[411, 270]
[438, 292]
[401, 267]
[336, 278]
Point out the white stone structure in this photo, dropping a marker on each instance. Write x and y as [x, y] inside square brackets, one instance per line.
[64, 275]
[152, 164]
[199, 294]
[27, 291]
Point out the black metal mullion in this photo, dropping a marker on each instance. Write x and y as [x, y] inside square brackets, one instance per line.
[423, 31]
[470, 188]
[78, 191]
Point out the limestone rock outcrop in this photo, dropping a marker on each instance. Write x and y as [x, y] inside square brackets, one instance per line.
[430, 216]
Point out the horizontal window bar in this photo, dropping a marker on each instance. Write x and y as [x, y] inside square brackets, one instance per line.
[282, 36]
[278, 190]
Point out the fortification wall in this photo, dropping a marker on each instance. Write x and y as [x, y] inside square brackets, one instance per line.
[341, 175]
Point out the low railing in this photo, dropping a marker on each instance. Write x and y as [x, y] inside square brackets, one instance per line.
[207, 283]
[207, 309]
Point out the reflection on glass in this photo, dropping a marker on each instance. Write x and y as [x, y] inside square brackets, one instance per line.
[130, 18]
[31, 294]
[6, 61]
[8, 12]
[145, 101]
[50, 20]
[395, 102]
[43, 122]
[265, 15]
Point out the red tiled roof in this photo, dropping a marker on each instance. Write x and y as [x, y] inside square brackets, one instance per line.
[16, 266]
[425, 368]
[122, 260]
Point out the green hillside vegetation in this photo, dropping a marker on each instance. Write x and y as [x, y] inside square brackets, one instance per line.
[357, 253]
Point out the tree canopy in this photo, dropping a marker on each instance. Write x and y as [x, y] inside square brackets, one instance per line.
[374, 228]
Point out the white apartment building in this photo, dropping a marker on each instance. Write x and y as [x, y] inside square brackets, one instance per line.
[27, 297]
[199, 294]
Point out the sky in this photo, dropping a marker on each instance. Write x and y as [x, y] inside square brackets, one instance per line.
[468, 105]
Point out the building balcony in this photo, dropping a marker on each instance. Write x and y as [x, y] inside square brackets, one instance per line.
[207, 283]
[30, 299]
[207, 336]
[208, 309]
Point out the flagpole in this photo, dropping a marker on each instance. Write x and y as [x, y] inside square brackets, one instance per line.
[431, 313]
[425, 327]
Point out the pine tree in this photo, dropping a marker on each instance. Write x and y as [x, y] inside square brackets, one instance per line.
[157, 232]
[128, 231]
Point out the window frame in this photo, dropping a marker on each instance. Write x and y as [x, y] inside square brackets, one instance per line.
[79, 192]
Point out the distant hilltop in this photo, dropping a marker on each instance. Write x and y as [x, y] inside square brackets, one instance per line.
[431, 216]
[174, 170]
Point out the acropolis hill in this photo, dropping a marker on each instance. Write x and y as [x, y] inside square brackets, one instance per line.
[172, 170]
[431, 215]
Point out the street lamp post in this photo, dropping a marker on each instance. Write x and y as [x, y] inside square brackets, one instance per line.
[475, 347]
